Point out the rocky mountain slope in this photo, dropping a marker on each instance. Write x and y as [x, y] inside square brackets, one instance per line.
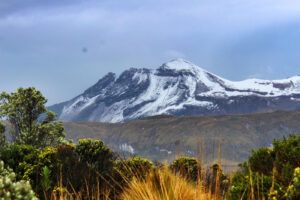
[177, 88]
[164, 137]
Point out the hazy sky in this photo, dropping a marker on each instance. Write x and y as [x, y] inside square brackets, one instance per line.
[64, 46]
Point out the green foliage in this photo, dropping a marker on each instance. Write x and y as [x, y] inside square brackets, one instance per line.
[2, 135]
[126, 170]
[21, 158]
[134, 167]
[216, 174]
[46, 182]
[48, 157]
[28, 163]
[2, 128]
[73, 167]
[67, 164]
[269, 166]
[240, 186]
[287, 152]
[12, 189]
[52, 167]
[293, 191]
[261, 161]
[186, 166]
[96, 155]
[23, 109]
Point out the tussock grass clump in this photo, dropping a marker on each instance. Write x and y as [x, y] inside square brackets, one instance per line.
[161, 184]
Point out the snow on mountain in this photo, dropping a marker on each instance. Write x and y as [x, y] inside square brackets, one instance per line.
[178, 88]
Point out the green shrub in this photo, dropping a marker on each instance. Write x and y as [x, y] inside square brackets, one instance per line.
[261, 161]
[269, 165]
[46, 181]
[126, 170]
[287, 153]
[68, 165]
[2, 136]
[187, 167]
[20, 158]
[63, 164]
[240, 186]
[74, 167]
[12, 189]
[71, 172]
[135, 166]
[293, 191]
[96, 155]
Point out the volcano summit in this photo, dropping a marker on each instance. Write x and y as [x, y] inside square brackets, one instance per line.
[178, 88]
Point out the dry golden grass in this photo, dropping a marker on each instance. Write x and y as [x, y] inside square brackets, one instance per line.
[162, 184]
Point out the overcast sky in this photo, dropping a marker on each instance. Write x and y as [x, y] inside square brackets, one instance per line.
[64, 46]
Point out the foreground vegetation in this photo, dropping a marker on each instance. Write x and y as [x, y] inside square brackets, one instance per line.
[37, 162]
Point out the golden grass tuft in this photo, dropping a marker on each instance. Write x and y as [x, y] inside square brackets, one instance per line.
[162, 184]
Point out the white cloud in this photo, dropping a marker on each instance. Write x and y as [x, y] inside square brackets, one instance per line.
[171, 54]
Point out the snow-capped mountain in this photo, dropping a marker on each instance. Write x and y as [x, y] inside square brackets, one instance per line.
[177, 88]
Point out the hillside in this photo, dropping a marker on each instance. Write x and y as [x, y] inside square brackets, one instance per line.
[160, 138]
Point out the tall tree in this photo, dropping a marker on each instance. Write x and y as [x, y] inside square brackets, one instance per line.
[32, 122]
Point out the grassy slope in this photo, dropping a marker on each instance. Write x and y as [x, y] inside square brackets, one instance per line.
[238, 134]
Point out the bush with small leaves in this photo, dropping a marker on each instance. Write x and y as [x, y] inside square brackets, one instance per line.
[287, 158]
[2, 136]
[187, 167]
[134, 167]
[58, 165]
[96, 154]
[12, 189]
[293, 191]
[261, 161]
[270, 167]
[240, 186]
[20, 158]
[126, 170]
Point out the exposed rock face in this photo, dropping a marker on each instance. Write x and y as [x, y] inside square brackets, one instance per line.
[177, 88]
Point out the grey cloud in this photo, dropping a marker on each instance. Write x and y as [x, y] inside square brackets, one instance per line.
[41, 42]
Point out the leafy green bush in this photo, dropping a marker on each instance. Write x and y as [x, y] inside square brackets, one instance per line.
[2, 136]
[187, 167]
[20, 158]
[73, 167]
[68, 165]
[71, 172]
[287, 158]
[240, 185]
[12, 189]
[269, 166]
[96, 155]
[59, 166]
[135, 166]
[126, 170]
[293, 191]
[261, 161]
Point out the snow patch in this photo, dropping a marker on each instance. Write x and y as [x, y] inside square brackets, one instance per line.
[167, 94]
[126, 148]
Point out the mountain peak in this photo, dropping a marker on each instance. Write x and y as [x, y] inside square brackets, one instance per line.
[178, 87]
[180, 64]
